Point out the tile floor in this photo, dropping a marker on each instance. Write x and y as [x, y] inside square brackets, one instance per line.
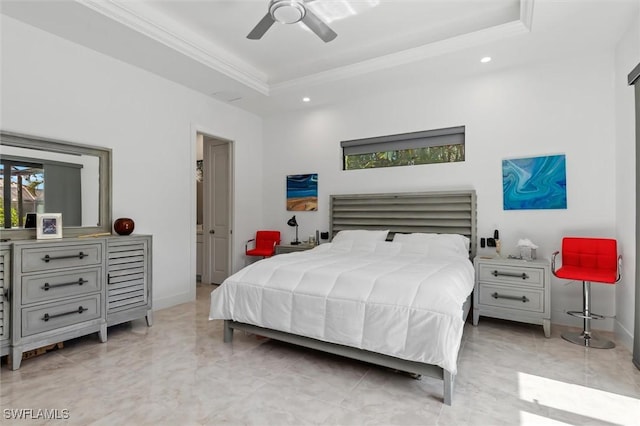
[179, 372]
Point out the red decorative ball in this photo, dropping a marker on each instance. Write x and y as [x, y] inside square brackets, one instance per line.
[123, 226]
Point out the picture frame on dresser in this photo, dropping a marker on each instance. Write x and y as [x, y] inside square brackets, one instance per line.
[48, 226]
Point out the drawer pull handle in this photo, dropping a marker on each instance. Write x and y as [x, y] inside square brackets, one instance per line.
[80, 310]
[496, 295]
[496, 273]
[47, 286]
[80, 255]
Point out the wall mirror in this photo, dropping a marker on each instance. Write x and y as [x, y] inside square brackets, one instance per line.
[40, 175]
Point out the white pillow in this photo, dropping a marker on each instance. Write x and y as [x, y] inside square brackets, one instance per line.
[415, 238]
[449, 244]
[353, 245]
[437, 245]
[387, 248]
[360, 235]
[412, 248]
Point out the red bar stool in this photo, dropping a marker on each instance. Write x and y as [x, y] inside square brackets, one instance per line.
[588, 260]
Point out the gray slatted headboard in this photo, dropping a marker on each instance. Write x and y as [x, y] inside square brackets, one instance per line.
[442, 212]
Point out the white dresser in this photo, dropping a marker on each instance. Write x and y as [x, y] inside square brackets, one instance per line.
[57, 293]
[513, 289]
[56, 290]
[5, 311]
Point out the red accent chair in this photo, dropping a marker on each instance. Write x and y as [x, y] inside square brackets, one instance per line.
[264, 245]
[588, 260]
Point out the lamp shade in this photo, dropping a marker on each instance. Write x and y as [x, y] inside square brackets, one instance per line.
[292, 221]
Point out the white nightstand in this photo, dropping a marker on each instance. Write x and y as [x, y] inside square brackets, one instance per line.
[290, 248]
[513, 289]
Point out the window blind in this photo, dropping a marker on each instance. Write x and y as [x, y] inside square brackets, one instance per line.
[423, 139]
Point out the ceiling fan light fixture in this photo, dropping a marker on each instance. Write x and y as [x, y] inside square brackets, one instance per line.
[287, 11]
[290, 12]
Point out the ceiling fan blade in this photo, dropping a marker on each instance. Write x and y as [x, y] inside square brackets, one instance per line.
[258, 31]
[321, 29]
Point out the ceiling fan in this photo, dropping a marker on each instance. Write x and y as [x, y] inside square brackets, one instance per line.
[290, 12]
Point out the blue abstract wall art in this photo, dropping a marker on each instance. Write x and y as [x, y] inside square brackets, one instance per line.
[535, 183]
[302, 192]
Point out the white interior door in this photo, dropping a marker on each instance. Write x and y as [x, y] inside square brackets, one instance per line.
[216, 214]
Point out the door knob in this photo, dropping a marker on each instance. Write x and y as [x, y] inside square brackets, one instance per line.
[212, 231]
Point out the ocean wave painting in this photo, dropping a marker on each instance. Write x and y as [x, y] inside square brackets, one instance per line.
[535, 183]
[302, 192]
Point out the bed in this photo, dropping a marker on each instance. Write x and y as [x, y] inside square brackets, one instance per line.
[392, 288]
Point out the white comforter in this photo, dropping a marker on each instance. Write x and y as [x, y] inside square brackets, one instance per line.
[385, 300]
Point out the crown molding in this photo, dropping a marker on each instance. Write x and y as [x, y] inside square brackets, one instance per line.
[119, 12]
[404, 57]
[526, 13]
[195, 49]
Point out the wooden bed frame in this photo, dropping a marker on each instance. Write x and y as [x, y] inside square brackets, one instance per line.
[444, 212]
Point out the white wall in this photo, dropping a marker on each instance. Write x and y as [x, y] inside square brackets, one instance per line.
[58, 89]
[627, 56]
[564, 107]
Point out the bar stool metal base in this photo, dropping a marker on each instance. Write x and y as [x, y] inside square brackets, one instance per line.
[585, 338]
[589, 341]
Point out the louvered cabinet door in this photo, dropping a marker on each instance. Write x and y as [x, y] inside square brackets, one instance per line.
[129, 279]
[5, 276]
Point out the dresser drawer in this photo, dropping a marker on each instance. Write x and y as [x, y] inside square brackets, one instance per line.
[516, 275]
[522, 299]
[38, 319]
[68, 256]
[38, 288]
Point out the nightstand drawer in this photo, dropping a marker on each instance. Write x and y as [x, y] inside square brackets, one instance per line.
[522, 299]
[516, 275]
[63, 256]
[41, 318]
[37, 288]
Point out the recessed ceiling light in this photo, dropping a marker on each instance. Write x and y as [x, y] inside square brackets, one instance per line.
[485, 59]
[306, 99]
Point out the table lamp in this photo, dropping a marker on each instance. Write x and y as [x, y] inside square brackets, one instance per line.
[294, 222]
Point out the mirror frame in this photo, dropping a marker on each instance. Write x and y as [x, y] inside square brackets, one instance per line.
[104, 182]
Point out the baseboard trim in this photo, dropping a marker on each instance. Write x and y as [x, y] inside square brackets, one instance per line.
[167, 302]
[623, 336]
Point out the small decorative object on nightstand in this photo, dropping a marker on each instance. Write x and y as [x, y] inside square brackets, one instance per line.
[290, 248]
[513, 289]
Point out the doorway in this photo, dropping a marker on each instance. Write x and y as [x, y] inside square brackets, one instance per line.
[214, 209]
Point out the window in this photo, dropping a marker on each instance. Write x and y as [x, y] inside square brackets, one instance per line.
[430, 146]
[24, 192]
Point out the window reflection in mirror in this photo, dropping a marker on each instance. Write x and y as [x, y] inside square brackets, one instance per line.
[51, 183]
[24, 194]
